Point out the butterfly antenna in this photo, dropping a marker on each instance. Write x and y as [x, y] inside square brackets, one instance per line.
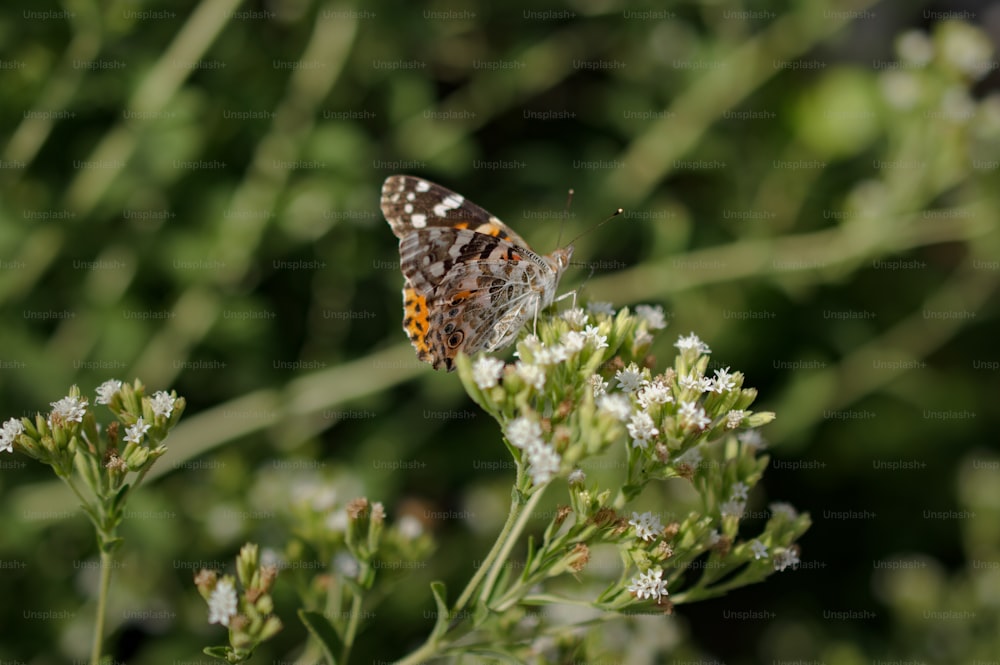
[569, 202]
[598, 225]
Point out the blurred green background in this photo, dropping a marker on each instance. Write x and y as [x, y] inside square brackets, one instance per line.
[189, 195]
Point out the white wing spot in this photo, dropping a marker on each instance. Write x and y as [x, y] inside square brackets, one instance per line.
[411, 196]
[423, 185]
[418, 221]
[408, 208]
[450, 202]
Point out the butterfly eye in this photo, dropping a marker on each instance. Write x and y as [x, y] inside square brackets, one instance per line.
[456, 339]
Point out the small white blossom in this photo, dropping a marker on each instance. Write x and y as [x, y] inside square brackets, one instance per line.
[599, 385]
[630, 378]
[345, 564]
[573, 341]
[655, 392]
[759, 549]
[336, 521]
[410, 527]
[551, 355]
[785, 559]
[752, 439]
[692, 415]
[692, 341]
[523, 432]
[642, 339]
[714, 537]
[596, 307]
[10, 431]
[647, 525]
[543, 463]
[134, 433]
[486, 372]
[732, 508]
[915, 47]
[577, 477]
[652, 315]
[107, 390]
[222, 602]
[782, 508]
[642, 429]
[695, 382]
[593, 335]
[162, 403]
[69, 409]
[649, 585]
[533, 375]
[529, 346]
[740, 490]
[616, 405]
[576, 317]
[722, 382]
[735, 418]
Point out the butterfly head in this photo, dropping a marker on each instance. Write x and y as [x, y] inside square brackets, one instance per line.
[559, 259]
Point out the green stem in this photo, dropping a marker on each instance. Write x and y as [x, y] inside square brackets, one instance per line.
[352, 626]
[102, 605]
[508, 542]
[488, 561]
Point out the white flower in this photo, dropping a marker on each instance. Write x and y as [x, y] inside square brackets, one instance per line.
[740, 490]
[782, 508]
[10, 431]
[599, 385]
[732, 508]
[653, 316]
[785, 559]
[594, 336]
[533, 375]
[543, 463]
[222, 602]
[162, 403]
[551, 355]
[722, 382]
[752, 439]
[107, 390]
[135, 433]
[647, 525]
[69, 409]
[630, 378]
[695, 382]
[573, 341]
[914, 46]
[529, 346]
[649, 585]
[655, 392]
[486, 372]
[642, 429]
[759, 549]
[692, 341]
[692, 415]
[336, 521]
[576, 317]
[345, 564]
[642, 339]
[410, 528]
[523, 431]
[616, 405]
[735, 418]
[596, 307]
[577, 477]
[714, 537]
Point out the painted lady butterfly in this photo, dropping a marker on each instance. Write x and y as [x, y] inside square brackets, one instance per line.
[471, 282]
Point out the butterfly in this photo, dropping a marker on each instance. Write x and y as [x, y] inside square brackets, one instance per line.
[471, 282]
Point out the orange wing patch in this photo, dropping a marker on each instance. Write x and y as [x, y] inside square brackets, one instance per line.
[416, 322]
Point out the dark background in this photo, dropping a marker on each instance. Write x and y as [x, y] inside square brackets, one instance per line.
[190, 196]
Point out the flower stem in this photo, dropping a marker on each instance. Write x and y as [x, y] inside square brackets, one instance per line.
[102, 605]
[507, 543]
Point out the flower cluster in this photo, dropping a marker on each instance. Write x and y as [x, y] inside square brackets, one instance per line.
[583, 387]
[248, 615]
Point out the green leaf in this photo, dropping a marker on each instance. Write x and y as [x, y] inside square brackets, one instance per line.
[321, 629]
[222, 653]
[481, 613]
[441, 600]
